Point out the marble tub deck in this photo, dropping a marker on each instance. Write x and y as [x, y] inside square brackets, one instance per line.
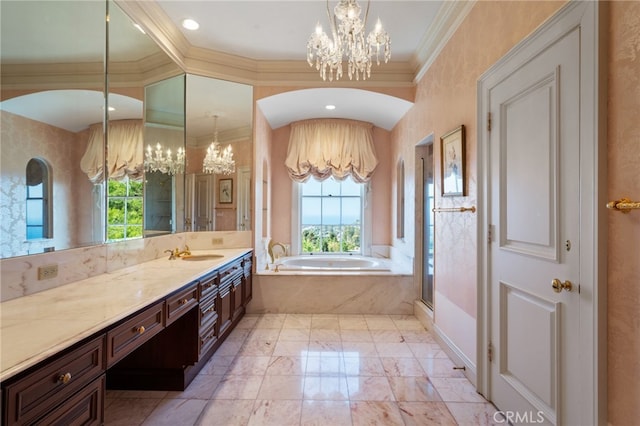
[316, 369]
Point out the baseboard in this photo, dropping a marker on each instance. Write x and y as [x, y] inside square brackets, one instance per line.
[426, 317]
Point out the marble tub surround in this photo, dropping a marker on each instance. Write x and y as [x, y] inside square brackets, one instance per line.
[19, 275]
[332, 293]
[38, 325]
[297, 369]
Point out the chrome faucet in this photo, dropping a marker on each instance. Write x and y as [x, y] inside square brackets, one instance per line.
[273, 244]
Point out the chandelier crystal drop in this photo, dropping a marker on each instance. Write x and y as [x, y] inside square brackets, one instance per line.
[348, 40]
[161, 160]
[218, 161]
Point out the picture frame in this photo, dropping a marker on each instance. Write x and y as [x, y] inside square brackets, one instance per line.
[225, 194]
[453, 163]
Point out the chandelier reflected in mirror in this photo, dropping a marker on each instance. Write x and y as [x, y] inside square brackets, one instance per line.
[163, 161]
[218, 161]
[348, 40]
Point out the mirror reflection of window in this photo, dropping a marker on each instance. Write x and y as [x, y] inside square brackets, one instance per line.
[38, 200]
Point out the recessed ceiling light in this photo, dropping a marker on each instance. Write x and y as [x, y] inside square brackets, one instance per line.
[190, 24]
[330, 107]
[139, 28]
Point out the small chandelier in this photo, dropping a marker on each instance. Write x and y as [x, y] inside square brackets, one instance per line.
[218, 161]
[163, 161]
[348, 39]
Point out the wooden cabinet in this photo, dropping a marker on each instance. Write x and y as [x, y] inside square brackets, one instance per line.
[84, 408]
[208, 314]
[126, 337]
[162, 346]
[181, 302]
[57, 380]
[247, 281]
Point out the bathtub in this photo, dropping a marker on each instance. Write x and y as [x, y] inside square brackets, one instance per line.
[333, 284]
[326, 263]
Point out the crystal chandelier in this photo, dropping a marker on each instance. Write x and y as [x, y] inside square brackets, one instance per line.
[348, 39]
[163, 161]
[218, 161]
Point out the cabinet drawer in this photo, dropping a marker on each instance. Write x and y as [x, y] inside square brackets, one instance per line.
[181, 302]
[45, 388]
[207, 338]
[84, 408]
[247, 265]
[208, 286]
[208, 313]
[230, 272]
[123, 339]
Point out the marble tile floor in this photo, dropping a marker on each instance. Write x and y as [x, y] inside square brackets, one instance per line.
[324, 370]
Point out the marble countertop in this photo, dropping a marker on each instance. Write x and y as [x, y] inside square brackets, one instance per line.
[37, 326]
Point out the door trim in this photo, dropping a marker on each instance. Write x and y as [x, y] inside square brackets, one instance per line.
[590, 17]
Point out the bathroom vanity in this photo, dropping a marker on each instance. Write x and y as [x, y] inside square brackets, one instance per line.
[152, 326]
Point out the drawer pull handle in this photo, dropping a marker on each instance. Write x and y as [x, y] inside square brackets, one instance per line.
[211, 309]
[184, 301]
[64, 378]
[140, 329]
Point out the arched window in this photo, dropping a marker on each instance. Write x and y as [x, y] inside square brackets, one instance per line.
[38, 200]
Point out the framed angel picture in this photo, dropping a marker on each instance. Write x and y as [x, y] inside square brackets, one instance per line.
[452, 153]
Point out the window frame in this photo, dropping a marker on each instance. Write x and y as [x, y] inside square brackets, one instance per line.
[296, 222]
[125, 200]
[46, 200]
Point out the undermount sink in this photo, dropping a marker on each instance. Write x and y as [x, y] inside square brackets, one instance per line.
[202, 257]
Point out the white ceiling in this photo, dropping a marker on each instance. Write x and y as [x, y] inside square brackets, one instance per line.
[259, 30]
[279, 30]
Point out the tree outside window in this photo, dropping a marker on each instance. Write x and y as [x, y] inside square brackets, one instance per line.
[331, 216]
[125, 213]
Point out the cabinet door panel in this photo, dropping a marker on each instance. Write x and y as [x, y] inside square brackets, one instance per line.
[49, 385]
[126, 337]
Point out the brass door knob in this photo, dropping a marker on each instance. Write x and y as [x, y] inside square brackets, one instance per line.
[558, 285]
[140, 329]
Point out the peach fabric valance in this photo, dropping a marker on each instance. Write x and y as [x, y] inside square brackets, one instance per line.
[126, 151]
[331, 147]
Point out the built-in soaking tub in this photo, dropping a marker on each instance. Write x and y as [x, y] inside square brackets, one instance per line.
[333, 284]
[327, 263]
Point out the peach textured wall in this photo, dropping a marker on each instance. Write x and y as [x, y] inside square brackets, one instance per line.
[624, 229]
[23, 139]
[446, 98]
[262, 182]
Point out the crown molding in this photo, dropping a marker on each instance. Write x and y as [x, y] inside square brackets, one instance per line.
[159, 27]
[85, 75]
[444, 25]
[238, 134]
[215, 64]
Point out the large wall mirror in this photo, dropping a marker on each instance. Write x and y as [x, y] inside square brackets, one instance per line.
[218, 112]
[54, 109]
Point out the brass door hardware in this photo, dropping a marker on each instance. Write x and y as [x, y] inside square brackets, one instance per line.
[624, 205]
[558, 285]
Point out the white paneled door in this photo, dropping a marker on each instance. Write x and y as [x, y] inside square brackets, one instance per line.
[534, 254]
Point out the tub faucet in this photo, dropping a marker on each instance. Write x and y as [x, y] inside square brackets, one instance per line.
[273, 244]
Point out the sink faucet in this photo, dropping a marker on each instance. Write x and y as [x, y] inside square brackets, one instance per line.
[273, 244]
[174, 254]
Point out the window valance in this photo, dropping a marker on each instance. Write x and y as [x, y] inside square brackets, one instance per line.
[331, 147]
[126, 151]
